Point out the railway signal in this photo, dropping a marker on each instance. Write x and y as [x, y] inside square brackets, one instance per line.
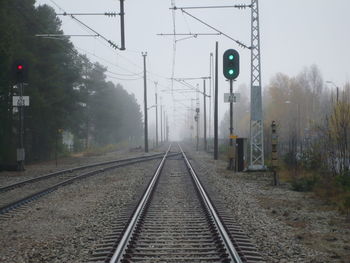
[20, 71]
[231, 64]
[231, 72]
[274, 152]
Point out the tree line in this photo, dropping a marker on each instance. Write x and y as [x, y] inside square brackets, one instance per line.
[313, 117]
[314, 120]
[67, 91]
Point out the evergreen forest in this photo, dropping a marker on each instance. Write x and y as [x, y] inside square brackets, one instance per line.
[68, 92]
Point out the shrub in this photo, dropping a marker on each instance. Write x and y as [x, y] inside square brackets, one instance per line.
[304, 184]
[343, 181]
[311, 160]
[289, 159]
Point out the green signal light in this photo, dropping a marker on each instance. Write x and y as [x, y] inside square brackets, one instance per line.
[231, 57]
[231, 71]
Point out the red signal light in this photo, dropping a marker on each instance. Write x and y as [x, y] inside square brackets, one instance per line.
[19, 67]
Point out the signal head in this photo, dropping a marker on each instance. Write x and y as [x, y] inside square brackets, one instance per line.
[20, 71]
[231, 64]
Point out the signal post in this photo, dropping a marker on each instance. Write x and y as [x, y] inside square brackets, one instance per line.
[20, 72]
[231, 72]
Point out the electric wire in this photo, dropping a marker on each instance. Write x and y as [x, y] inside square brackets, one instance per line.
[88, 27]
[215, 29]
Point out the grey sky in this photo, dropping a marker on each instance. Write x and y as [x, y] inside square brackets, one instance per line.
[294, 34]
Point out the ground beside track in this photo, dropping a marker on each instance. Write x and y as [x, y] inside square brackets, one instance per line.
[66, 225]
[40, 168]
[286, 226]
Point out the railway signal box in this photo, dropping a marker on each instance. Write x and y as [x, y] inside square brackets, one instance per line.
[231, 64]
[20, 71]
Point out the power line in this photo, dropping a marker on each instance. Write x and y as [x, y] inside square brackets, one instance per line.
[174, 44]
[215, 29]
[109, 14]
[112, 44]
[111, 63]
[61, 35]
[241, 6]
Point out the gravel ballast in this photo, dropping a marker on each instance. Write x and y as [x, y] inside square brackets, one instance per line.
[65, 225]
[39, 169]
[286, 226]
[68, 224]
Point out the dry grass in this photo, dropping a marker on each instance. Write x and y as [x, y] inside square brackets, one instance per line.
[102, 150]
[325, 188]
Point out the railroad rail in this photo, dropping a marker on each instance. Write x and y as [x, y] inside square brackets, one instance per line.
[71, 170]
[174, 221]
[38, 194]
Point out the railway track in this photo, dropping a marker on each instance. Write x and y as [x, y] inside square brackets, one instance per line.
[71, 170]
[175, 221]
[16, 195]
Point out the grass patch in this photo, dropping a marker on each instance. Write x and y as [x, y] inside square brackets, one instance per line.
[102, 150]
[304, 184]
[334, 190]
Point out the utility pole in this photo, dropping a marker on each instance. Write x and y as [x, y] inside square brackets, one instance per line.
[164, 126]
[156, 83]
[191, 118]
[161, 121]
[210, 92]
[20, 150]
[256, 121]
[122, 28]
[167, 129]
[20, 72]
[196, 118]
[231, 162]
[144, 54]
[216, 104]
[205, 116]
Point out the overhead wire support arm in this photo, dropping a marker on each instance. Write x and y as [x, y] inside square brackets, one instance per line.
[61, 35]
[215, 29]
[241, 6]
[104, 38]
[189, 34]
[109, 14]
[186, 84]
[182, 79]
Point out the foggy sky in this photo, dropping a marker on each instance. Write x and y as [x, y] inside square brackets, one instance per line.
[294, 34]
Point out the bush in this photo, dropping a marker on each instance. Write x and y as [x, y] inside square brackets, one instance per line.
[310, 160]
[289, 159]
[304, 184]
[343, 181]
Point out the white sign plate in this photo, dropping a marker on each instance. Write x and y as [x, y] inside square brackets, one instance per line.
[232, 97]
[17, 101]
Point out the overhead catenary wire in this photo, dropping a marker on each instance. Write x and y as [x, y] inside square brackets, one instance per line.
[121, 76]
[88, 27]
[111, 63]
[174, 44]
[241, 6]
[74, 50]
[215, 29]
[109, 14]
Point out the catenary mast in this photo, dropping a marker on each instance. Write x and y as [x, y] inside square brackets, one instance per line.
[256, 118]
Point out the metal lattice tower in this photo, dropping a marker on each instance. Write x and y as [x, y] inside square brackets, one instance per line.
[256, 120]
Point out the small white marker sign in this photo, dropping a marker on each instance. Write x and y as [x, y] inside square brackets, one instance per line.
[18, 101]
[231, 97]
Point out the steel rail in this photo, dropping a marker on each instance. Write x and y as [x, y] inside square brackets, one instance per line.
[46, 176]
[37, 195]
[119, 251]
[227, 241]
